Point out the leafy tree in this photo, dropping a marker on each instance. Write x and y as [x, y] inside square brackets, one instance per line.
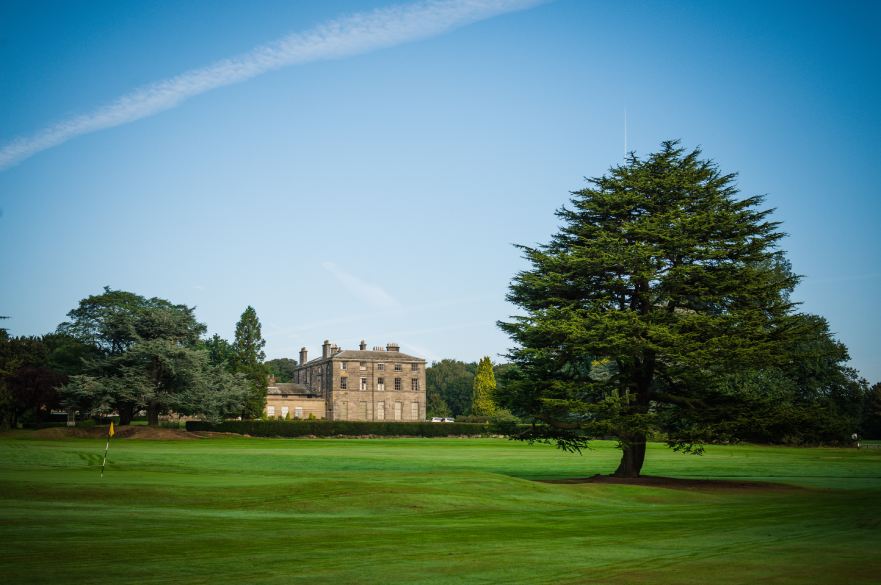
[113, 322]
[220, 351]
[148, 356]
[871, 426]
[282, 369]
[484, 387]
[660, 281]
[450, 383]
[248, 356]
[435, 405]
[31, 371]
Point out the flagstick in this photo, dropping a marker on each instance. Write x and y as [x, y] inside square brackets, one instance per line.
[105, 456]
[107, 448]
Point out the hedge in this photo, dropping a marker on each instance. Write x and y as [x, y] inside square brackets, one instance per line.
[336, 428]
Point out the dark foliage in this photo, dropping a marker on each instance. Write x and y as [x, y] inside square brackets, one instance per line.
[325, 428]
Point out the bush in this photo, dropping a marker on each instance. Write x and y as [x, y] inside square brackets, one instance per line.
[473, 418]
[42, 425]
[335, 428]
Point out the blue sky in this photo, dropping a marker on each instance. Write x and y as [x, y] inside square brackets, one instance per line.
[377, 194]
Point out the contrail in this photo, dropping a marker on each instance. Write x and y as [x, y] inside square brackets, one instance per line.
[344, 37]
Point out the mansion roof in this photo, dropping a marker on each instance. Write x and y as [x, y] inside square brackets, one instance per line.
[288, 389]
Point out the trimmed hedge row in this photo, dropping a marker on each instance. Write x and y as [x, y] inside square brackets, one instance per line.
[335, 428]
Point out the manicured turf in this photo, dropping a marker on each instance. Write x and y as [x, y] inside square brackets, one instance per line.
[238, 510]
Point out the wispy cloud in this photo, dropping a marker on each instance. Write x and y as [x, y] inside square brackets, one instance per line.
[339, 38]
[372, 294]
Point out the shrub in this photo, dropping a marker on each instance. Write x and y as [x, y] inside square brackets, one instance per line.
[335, 428]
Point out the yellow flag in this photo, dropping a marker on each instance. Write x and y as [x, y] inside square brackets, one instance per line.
[111, 432]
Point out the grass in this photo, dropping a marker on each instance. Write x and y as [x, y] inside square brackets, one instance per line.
[238, 510]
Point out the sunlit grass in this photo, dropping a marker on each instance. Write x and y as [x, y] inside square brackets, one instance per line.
[428, 511]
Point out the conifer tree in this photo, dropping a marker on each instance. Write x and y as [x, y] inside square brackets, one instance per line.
[660, 280]
[484, 387]
[248, 356]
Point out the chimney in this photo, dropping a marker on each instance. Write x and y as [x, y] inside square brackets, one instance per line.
[303, 354]
[363, 345]
[325, 349]
[393, 347]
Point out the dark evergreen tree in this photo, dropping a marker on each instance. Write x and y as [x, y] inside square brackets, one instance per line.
[871, 425]
[248, 356]
[220, 351]
[660, 280]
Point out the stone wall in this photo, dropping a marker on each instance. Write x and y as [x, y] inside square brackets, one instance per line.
[275, 406]
[353, 403]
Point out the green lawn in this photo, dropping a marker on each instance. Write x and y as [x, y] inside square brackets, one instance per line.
[238, 510]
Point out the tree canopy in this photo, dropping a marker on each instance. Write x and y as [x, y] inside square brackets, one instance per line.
[147, 356]
[282, 369]
[661, 281]
[449, 388]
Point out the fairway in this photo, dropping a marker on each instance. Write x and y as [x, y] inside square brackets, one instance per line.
[240, 510]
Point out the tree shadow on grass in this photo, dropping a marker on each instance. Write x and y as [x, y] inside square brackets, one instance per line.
[676, 483]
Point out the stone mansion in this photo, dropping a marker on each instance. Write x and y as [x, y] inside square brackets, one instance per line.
[378, 384]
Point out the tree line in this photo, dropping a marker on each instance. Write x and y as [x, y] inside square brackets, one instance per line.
[122, 353]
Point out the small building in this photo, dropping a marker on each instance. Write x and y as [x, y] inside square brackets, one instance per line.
[381, 384]
[286, 400]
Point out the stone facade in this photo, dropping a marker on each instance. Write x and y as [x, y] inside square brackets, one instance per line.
[293, 401]
[378, 384]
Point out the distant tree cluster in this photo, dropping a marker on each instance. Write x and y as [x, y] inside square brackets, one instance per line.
[452, 385]
[122, 353]
[282, 369]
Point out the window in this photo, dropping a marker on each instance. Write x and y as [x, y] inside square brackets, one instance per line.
[380, 384]
[344, 366]
[399, 368]
[362, 366]
[399, 407]
[298, 412]
[380, 367]
[414, 385]
[398, 384]
[270, 411]
[363, 383]
[344, 383]
[284, 412]
[414, 367]
[380, 411]
[414, 410]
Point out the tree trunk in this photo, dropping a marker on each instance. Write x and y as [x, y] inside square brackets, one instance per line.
[126, 414]
[153, 414]
[632, 456]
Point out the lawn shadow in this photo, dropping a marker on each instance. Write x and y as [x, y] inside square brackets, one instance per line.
[676, 483]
